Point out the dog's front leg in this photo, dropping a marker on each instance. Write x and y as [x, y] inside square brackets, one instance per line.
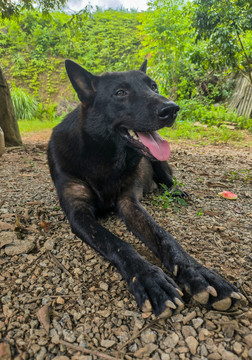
[152, 288]
[204, 285]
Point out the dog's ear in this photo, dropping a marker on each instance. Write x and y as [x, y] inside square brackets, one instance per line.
[83, 81]
[144, 66]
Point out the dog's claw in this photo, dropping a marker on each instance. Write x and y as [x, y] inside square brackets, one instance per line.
[202, 297]
[179, 303]
[188, 290]
[223, 304]
[170, 304]
[179, 291]
[212, 291]
[243, 298]
[146, 306]
[166, 313]
[175, 271]
[235, 295]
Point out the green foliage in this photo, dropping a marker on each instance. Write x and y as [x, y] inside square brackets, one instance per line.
[194, 73]
[182, 67]
[99, 42]
[169, 45]
[171, 196]
[216, 115]
[26, 126]
[225, 23]
[201, 134]
[243, 175]
[36, 45]
[12, 7]
[110, 41]
[191, 66]
[25, 105]
[200, 212]
[28, 108]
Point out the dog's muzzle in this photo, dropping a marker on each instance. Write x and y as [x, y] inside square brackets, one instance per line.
[168, 110]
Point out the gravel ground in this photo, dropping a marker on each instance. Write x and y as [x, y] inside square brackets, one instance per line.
[60, 300]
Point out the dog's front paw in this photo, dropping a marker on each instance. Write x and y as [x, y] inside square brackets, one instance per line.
[156, 292]
[209, 289]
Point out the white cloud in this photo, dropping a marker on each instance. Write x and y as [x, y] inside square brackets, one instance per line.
[77, 5]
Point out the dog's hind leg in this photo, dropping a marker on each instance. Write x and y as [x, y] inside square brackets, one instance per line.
[162, 174]
[204, 285]
[148, 283]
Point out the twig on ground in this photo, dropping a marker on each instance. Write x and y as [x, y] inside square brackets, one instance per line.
[138, 333]
[51, 296]
[88, 351]
[61, 266]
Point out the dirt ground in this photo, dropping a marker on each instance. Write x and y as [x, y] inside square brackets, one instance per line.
[60, 300]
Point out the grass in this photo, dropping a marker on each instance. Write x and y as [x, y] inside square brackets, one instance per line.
[203, 135]
[193, 110]
[25, 105]
[34, 126]
[209, 135]
[171, 197]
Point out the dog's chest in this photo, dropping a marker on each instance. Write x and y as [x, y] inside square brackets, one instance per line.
[109, 189]
[110, 176]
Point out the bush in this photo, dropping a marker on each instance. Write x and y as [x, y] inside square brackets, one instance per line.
[218, 115]
[25, 105]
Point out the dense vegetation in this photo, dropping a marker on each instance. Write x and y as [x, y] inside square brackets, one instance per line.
[192, 54]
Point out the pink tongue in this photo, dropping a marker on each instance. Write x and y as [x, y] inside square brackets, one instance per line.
[159, 147]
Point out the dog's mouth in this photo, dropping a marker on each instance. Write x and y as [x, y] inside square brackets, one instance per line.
[150, 143]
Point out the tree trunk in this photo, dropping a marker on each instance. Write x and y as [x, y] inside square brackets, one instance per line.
[8, 121]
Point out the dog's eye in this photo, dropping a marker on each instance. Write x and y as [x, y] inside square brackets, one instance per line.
[154, 87]
[120, 93]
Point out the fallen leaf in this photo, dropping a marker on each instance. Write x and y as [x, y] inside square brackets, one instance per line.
[26, 214]
[4, 216]
[216, 184]
[5, 226]
[18, 226]
[33, 229]
[238, 210]
[43, 314]
[45, 226]
[27, 175]
[212, 213]
[34, 203]
[228, 195]
[219, 228]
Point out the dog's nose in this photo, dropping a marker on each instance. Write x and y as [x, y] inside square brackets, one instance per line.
[168, 109]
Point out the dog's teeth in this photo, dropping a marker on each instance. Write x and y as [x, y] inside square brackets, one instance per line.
[133, 134]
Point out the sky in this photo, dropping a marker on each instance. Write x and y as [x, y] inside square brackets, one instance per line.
[139, 5]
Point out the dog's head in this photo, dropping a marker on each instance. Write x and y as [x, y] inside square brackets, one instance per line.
[125, 104]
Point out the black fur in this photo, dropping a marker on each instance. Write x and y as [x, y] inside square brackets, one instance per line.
[97, 166]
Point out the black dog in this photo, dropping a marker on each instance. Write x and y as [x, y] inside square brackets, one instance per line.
[104, 156]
